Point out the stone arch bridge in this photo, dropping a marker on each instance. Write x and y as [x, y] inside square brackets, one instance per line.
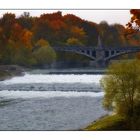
[106, 53]
[99, 54]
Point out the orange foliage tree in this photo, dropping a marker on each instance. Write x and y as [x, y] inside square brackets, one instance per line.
[134, 24]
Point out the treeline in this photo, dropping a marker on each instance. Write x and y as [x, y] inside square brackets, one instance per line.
[19, 37]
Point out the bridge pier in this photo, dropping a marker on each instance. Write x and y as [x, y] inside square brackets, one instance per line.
[100, 55]
[98, 64]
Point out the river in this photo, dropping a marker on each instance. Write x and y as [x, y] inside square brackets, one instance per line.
[39, 101]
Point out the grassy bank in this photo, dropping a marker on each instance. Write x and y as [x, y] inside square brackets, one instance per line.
[112, 122]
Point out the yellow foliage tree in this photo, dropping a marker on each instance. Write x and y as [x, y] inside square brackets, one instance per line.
[121, 86]
[43, 43]
[74, 41]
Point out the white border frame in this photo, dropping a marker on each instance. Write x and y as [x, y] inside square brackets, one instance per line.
[73, 4]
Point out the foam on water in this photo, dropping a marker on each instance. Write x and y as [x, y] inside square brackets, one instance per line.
[47, 78]
[47, 94]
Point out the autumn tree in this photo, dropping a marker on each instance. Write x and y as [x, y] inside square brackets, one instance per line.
[92, 33]
[19, 36]
[50, 27]
[134, 23]
[41, 29]
[72, 20]
[6, 25]
[79, 33]
[133, 26]
[74, 42]
[27, 38]
[132, 29]
[112, 35]
[26, 21]
[7, 22]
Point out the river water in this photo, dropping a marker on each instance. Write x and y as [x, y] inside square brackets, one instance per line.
[38, 101]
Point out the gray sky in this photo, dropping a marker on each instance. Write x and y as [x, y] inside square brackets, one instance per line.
[111, 16]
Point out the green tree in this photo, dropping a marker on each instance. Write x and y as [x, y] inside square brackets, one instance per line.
[122, 87]
[44, 55]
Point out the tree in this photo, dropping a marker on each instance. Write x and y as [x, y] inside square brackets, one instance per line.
[72, 19]
[74, 41]
[26, 21]
[92, 33]
[121, 86]
[132, 33]
[112, 35]
[44, 55]
[135, 19]
[22, 56]
[42, 43]
[41, 29]
[7, 22]
[26, 38]
[132, 27]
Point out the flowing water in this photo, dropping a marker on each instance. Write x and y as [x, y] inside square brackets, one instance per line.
[38, 101]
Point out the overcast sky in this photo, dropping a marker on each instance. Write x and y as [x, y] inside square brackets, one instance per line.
[111, 16]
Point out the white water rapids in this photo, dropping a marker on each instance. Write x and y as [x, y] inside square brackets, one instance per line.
[50, 102]
[54, 78]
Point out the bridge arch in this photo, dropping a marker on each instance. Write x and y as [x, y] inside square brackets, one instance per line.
[83, 52]
[120, 54]
[98, 54]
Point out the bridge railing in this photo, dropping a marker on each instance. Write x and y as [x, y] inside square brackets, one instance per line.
[123, 48]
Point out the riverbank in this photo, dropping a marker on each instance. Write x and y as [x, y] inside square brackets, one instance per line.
[9, 71]
[108, 123]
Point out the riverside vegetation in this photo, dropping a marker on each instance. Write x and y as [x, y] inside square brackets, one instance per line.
[8, 71]
[122, 96]
[20, 36]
